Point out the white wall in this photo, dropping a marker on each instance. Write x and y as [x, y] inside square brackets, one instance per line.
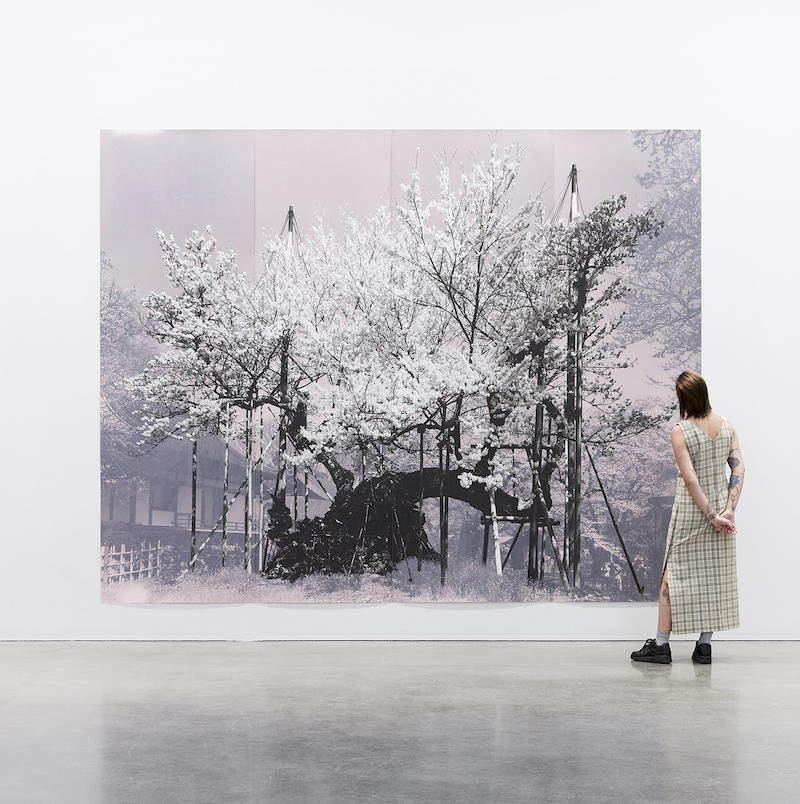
[71, 69]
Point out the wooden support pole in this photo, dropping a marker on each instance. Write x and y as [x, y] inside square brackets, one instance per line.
[536, 465]
[248, 491]
[305, 494]
[260, 527]
[446, 435]
[574, 404]
[225, 479]
[442, 523]
[533, 551]
[541, 551]
[498, 563]
[513, 542]
[194, 500]
[421, 431]
[294, 484]
[549, 525]
[576, 538]
[214, 529]
[614, 522]
[280, 479]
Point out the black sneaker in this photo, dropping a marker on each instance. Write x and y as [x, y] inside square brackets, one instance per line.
[702, 653]
[650, 652]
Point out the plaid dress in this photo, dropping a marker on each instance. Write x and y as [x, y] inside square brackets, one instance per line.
[701, 563]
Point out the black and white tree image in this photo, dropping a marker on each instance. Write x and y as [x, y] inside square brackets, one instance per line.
[462, 347]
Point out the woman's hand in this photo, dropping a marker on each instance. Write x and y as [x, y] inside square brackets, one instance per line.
[724, 523]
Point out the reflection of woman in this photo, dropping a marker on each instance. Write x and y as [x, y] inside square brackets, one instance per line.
[698, 585]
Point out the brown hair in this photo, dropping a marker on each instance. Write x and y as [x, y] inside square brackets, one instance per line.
[692, 394]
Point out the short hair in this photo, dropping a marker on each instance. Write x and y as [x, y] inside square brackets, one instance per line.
[692, 394]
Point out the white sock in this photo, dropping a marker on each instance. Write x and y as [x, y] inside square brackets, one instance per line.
[705, 637]
[662, 638]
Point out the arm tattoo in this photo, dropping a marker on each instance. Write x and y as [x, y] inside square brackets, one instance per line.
[733, 462]
[710, 512]
[734, 482]
[665, 592]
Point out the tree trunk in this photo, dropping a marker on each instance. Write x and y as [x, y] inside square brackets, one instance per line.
[379, 519]
[406, 489]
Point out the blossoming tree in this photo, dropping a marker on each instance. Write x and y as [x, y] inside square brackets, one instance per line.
[411, 355]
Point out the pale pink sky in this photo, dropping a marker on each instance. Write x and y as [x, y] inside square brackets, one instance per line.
[241, 183]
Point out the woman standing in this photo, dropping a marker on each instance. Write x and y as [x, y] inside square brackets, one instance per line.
[698, 584]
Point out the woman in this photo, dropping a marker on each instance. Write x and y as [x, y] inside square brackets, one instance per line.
[698, 585]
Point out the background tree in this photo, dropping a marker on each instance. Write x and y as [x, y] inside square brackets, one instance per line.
[124, 349]
[664, 279]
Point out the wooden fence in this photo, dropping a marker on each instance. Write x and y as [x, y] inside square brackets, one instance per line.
[118, 565]
[185, 521]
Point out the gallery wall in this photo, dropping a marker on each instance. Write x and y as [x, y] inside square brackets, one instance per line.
[70, 71]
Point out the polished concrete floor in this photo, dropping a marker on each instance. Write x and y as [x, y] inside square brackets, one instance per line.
[223, 723]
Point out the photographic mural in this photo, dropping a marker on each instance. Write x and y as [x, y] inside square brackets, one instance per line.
[360, 366]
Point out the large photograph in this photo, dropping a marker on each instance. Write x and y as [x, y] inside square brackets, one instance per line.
[413, 366]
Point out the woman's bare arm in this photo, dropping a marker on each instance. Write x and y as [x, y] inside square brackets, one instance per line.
[685, 467]
[736, 464]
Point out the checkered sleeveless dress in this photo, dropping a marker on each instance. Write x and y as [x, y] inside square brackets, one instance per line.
[701, 563]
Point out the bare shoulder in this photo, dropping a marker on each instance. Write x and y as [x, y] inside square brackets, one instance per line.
[730, 425]
[681, 450]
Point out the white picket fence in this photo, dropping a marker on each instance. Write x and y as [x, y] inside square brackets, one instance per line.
[119, 565]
